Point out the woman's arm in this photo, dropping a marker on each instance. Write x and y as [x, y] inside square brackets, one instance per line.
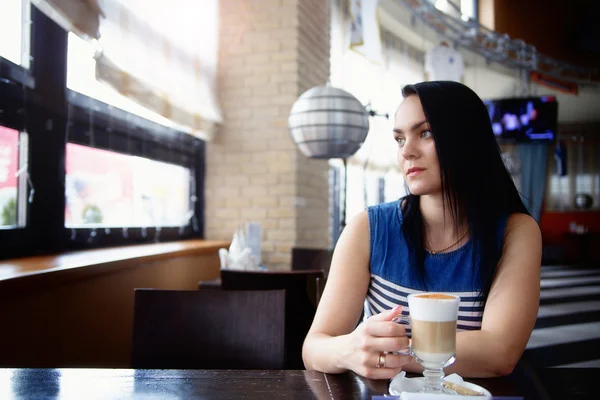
[332, 344]
[511, 309]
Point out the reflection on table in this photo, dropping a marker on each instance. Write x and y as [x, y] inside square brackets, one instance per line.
[233, 384]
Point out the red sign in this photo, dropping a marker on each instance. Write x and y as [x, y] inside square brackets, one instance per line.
[9, 157]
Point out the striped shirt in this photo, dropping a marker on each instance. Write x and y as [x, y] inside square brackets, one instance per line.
[392, 278]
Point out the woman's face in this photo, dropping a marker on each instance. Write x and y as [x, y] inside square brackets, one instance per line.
[417, 156]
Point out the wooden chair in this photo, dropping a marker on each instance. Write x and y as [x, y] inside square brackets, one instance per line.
[210, 329]
[302, 296]
[310, 259]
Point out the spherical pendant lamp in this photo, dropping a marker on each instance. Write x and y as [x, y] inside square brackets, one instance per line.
[327, 122]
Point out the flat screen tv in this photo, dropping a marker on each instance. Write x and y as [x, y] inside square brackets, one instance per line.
[524, 119]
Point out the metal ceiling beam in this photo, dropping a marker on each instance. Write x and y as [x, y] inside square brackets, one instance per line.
[497, 47]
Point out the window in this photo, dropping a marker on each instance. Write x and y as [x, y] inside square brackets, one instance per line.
[71, 164]
[371, 187]
[108, 189]
[468, 9]
[464, 9]
[335, 201]
[395, 186]
[11, 23]
[381, 190]
[14, 45]
[581, 157]
[10, 204]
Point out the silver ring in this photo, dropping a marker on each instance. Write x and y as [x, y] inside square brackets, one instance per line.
[381, 361]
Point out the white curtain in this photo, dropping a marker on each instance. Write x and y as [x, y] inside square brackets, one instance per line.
[80, 16]
[162, 55]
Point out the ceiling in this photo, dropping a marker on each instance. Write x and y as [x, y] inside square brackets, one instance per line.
[489, 80]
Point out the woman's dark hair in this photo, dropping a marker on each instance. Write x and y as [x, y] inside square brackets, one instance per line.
[476, 186]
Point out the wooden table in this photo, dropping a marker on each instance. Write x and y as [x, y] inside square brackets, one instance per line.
[236, 384]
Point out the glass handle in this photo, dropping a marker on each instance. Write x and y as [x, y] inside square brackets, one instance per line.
[403, 320]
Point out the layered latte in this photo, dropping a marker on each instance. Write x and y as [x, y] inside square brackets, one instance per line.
[433, 327]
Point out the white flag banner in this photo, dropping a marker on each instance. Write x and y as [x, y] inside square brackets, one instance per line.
[356, 25]
[364, 29]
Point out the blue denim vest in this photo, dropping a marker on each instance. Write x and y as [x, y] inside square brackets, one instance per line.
[393, 277]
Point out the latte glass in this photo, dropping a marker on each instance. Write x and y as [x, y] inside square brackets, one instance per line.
[433, 331]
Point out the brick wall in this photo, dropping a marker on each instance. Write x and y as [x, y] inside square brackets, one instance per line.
[271, 51]
[312, 216]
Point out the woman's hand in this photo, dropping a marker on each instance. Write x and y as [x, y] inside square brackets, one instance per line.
[372, 342]
[334, 344]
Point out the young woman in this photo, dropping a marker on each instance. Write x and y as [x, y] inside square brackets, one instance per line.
[463, 229]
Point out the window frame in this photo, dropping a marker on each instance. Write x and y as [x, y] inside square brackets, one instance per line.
[126, 133]
[10, 72]
[15, 84]
[52, 115]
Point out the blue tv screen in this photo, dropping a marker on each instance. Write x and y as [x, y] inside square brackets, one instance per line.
[524, 119]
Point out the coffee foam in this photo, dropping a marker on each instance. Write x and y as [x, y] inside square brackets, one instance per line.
[433, 309]
[439, 296]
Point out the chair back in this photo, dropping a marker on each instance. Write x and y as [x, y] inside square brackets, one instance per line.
[308, 259]
[211, 329]
[302, 295]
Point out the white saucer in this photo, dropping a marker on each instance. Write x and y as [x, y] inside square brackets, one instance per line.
[400, 383]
